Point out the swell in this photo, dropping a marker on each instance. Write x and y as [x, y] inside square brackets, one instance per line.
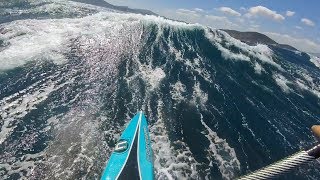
[217, 108]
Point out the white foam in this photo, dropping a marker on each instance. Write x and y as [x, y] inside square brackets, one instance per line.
[258, 68]
[50, 39]
[260, 51]
[170, 163]
[314, 89]
[54, 7]
[33, 41]
[221, 153]
[177, 91]
[282, 82]
[298, 52]
[301, 85]
[20, 104]
[226, 53]
[305, 82]
[196, 65]
[20, 165]
[77, 134]
[162, 22]
[315, 60]
[153, 77]
[199, 97]
[306, 76]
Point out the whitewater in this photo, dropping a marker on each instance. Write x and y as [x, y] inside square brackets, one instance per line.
[217, 107]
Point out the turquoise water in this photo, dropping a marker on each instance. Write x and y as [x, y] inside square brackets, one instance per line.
[72, 76]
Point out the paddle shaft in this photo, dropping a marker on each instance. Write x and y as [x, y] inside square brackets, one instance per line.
[285, 165]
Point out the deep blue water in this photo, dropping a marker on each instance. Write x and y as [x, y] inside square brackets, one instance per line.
[217, 108]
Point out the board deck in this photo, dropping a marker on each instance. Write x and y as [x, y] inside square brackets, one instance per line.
[132, 157]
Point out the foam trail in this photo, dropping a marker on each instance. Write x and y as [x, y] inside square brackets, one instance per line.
[170, 163]
[218, 149]
[199, 97]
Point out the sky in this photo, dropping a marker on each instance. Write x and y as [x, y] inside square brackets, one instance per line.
[293, 22]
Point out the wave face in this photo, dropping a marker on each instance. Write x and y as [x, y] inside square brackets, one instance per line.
[71, 80]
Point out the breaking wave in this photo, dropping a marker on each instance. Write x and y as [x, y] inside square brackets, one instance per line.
[217, 107]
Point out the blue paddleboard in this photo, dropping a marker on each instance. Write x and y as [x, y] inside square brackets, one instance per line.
[132, 157]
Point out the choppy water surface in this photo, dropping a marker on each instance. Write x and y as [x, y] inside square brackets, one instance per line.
[72, 75]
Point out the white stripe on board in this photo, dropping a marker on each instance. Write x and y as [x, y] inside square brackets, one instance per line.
[139, 146]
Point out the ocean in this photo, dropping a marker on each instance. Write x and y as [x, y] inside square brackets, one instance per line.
[72, 75]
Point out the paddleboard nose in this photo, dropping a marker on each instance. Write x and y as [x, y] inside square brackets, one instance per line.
[132, 156]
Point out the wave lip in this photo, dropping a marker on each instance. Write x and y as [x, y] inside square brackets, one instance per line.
[216, 107]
